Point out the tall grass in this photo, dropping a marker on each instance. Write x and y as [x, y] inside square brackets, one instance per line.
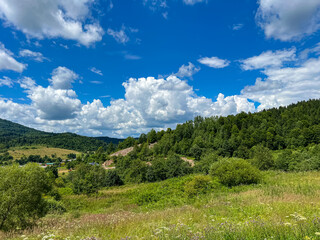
[283, 206]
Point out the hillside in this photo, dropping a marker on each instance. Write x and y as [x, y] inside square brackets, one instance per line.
[19, 152]
[294, 126]
[13, 134]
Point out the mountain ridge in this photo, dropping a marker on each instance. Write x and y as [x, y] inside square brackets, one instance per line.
[14, 134]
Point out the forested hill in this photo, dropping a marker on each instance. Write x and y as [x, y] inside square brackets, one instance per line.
[13, 134]
[297, 125]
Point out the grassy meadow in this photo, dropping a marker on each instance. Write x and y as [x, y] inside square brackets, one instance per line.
[18, 152]
[283, 206]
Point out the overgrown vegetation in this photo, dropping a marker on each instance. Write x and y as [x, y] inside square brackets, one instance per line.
[249, 176]
[21, 195]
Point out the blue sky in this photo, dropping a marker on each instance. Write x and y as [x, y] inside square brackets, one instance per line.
[120, 68]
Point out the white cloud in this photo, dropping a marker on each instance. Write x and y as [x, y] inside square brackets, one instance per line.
[96, 71]
[283, 86]
[37, 56]
[308, 51]
[274, 59]
[129, 56]
[192, 2]
[214, 62]
[51, 103]
[155, 5]
[237, 27]
[5, 81]
[55, 104]
[52, 19]
[27, 83]
[288, 21]
[22, 113]
[7, 62]
[148, 103]
[187, 70]
[120, 36]
[96, 82]
[62, 78]
[157, 103]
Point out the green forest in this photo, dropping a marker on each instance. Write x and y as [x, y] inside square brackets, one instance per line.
[13, 134]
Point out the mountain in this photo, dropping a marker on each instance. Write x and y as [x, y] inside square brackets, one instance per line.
[14, 134]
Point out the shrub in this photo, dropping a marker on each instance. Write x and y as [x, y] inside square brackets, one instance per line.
[87, 179]
[235, 171]
[21, 195]
[200, 185]
[54, 207]
[112, 179]
[176, 166]
[203, 166]
[284, 159]
[262, 157]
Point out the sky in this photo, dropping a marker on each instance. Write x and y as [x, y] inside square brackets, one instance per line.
[120, 68]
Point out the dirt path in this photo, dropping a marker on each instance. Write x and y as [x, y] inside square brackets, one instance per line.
[188, 160]
[126, 151]
[106, 165]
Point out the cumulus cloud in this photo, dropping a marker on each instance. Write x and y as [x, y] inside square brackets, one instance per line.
[274, 59]
[148, 103]
[37, 56]
[283, 86]
[52, 103]
[214, 62]
[158, 103]
[55, 104]
[7, 62]
[5, 81]
[22, 113]
[52, 19]
[288, 21]
[62, 78]
[187, 70]
[120, 36]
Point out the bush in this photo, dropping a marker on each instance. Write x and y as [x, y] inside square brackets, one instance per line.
[112, 179]
[21, 195]
[54, 207]
[262, 157]
[203, 166]
[176, 167]
[235, 171]
[87, 179]
[200, 185]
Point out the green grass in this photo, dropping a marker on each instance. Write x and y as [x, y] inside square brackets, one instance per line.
[284, 206]
[18, 152]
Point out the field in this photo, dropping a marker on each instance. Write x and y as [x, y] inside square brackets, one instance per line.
[18, 152]
[284, 206]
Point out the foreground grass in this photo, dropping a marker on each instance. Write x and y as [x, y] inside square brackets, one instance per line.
[18, 152]
[284, 206]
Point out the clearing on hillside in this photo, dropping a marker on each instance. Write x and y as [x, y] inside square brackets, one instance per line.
[18, 152]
